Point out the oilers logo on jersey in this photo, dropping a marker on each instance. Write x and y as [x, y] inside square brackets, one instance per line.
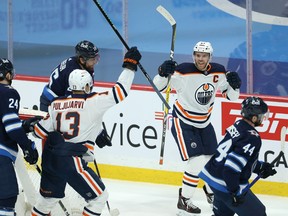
[204, 93]
[194, 145]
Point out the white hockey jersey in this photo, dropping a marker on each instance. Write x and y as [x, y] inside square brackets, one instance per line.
[79, 117]
[196, 91]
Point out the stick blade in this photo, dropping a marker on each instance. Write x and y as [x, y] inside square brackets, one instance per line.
[166, 14]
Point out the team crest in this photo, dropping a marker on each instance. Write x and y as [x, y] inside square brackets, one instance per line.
[204, 93]
[193, 145]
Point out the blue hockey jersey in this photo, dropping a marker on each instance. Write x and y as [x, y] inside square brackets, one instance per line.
[11, 131]
[235, 160]
[59, 79]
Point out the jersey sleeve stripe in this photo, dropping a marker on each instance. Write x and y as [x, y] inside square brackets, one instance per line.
[14, 126]
[239, 158]
[40, 132]
[11, 122]
[9, 117]
[232, 165]
[8, 152]
[119, 92]
[90, 146]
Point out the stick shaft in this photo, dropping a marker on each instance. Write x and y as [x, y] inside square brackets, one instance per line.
[172, 22]
[98, 173]
[127, 47]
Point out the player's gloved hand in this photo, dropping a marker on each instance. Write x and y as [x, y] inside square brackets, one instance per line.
[266, 170]
[233, 79]
[31, 153]
[167, 68]
[103, 139]
[28, 124]
[237, 199]
[131, 59]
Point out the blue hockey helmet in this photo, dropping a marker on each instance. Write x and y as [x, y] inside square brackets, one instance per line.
[86, 49]
[5, 67]
[254, 106]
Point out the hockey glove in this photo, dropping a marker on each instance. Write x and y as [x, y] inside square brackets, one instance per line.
[237, 199]
[167, 68]
[103, 139]
[131, 59]
[28, 124]
[31, 154]
[266, 170]
[233, 79]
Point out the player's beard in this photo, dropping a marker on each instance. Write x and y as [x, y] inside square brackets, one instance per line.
[90, 70]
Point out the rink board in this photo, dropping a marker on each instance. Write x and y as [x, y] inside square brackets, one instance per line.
[135, 126]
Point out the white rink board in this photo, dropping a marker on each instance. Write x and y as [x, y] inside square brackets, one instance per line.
[136, 133]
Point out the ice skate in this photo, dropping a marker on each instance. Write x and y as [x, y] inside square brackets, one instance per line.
[209, 196]
[186, 207]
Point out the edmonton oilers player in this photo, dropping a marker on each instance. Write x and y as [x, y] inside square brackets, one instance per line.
[196, 85]
[77, 117]
[229, 170]
[11, 134]
[87, 55]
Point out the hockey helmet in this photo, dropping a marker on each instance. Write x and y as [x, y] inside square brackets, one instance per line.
[86, 49]
[79, 80]
[254, 106]
[5, 67]
[203, 46]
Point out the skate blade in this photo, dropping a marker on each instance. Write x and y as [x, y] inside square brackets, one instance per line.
[184, 213]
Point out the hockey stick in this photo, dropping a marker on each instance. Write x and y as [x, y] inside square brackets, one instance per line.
[26, 182]
[127, 47]
[281, 153]
[113, 212]
[60, 202]
[172, 22]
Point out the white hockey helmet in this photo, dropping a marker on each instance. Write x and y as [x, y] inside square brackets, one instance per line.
[80, 80]
[203, 46]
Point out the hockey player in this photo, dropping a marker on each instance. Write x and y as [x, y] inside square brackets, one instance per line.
[11, 133]
[229, 169]
[75, 118]
[86, 56]
[196, 85]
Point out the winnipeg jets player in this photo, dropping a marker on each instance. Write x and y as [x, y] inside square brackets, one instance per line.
[70, 130]
[86, 56]
[229, 170]
[11, 134]
[196, 85]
